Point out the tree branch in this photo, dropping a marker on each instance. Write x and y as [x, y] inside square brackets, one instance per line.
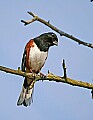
[62, 33]
[50, 77]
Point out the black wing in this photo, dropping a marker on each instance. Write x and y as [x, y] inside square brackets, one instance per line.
[23, 65]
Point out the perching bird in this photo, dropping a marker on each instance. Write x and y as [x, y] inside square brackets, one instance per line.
[34, 57]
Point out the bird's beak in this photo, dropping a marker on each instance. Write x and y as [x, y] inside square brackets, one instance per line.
[55, 43]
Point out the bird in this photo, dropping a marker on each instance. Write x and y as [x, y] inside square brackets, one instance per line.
[34, 57]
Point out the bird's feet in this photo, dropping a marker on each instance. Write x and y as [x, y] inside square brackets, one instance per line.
[42, 76]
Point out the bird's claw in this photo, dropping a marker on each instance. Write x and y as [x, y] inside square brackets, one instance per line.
[42, 76]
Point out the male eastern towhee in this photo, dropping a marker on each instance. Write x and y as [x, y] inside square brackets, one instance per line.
[34, 57]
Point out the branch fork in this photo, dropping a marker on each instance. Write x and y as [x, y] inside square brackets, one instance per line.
[62, 33]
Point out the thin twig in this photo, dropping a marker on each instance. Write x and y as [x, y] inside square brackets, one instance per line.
[64, 68]
[62, 33]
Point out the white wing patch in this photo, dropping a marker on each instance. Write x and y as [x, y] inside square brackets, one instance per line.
[37, 58]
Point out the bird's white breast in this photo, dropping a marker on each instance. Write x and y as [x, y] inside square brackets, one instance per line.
[37, 58]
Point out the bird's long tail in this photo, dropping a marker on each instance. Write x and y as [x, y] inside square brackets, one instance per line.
[26, 95]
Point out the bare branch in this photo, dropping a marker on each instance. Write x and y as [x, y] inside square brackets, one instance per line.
[62, 33]
[50, 77]
[30, 21]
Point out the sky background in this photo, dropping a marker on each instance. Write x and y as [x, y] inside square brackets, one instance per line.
[52, 101]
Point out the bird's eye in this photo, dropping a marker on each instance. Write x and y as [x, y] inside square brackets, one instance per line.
[53, 35]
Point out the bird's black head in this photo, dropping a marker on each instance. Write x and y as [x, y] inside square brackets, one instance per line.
[44, 41]
[50, 38]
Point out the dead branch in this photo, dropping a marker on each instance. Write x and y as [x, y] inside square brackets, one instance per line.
[37, 18]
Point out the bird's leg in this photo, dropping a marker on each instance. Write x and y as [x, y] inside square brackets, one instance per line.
[30, 70]
[42, 76]
[33, 73]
